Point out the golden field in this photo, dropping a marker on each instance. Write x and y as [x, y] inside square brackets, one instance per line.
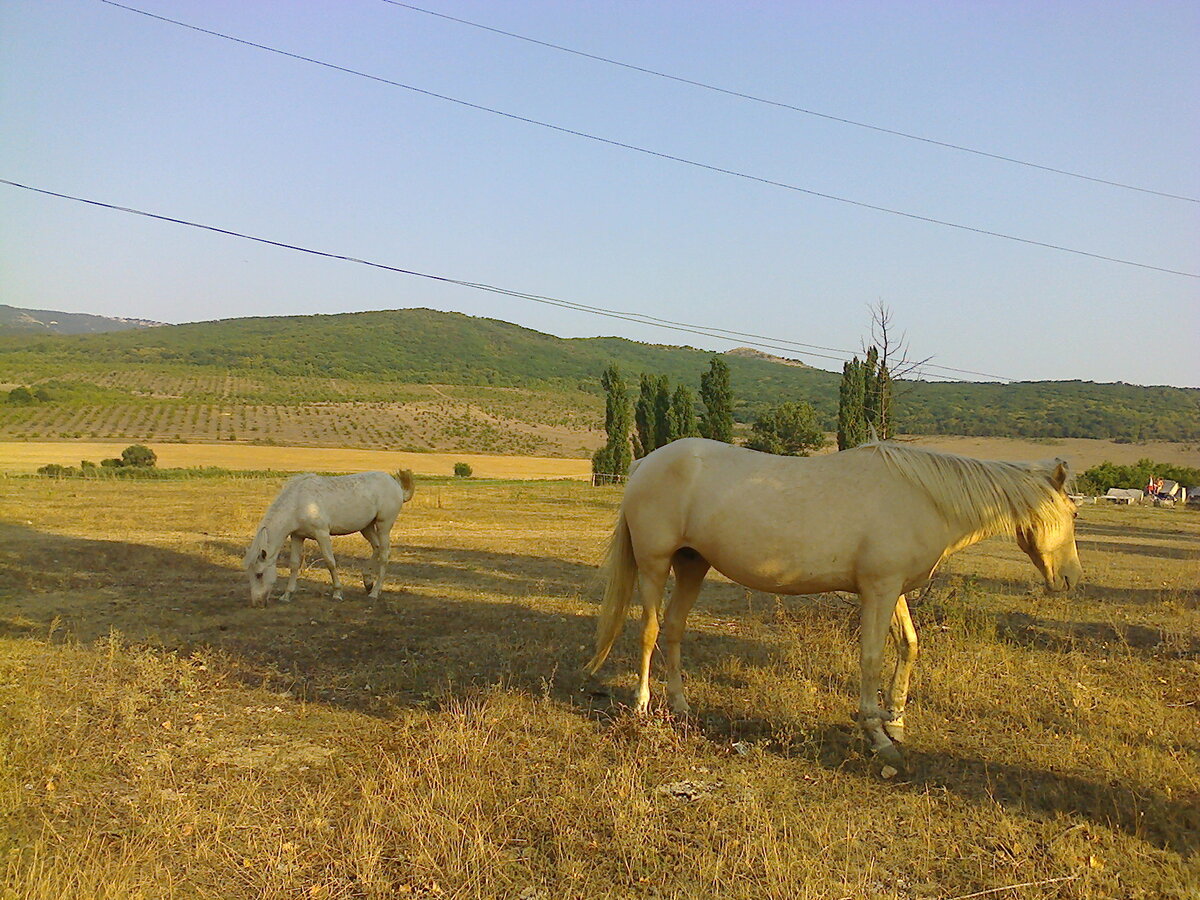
[28, 456]
[159, 738]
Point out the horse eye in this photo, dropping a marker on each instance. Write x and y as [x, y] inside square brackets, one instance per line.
[258, 575]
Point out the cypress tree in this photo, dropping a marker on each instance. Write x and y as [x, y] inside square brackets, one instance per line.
[871, 391]
[852, 428]
[645, 417]
[663, 433]
[683, 414]
[883, 418]
[716, 422]
[614, 457]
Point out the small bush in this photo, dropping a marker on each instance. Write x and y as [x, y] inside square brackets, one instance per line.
[111, 463]
[462, 470]
[138, 455]
[52, 470]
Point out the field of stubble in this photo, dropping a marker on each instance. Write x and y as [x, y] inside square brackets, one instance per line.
[159, 738]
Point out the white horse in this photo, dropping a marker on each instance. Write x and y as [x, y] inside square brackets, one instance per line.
[318, 506]
[876, 520]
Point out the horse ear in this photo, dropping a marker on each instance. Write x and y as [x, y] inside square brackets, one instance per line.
[261, 540]
[1059, 473]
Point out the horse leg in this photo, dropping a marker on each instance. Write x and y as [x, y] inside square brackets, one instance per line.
[383, 549]
[371, 533]
[690, 569]
[326, 545]
[652, 580]
[878, 604]
[905, 637]
[294, 572]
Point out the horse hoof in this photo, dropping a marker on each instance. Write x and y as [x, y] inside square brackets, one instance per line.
[890, 755]
[285, 598]
[337, 596]
[895, 731]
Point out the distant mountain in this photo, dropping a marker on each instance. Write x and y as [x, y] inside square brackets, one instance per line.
[14, 320]
[423, 346]
[751, 353]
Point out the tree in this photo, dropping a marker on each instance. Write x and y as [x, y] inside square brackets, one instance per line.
[614, 457]
[866, 393]
[871, 392]
[716, 422]
[683, 413]
[662, 412]
[790, 429]
[852, 427]
[138, 455]
[462, 470]
[645, 417]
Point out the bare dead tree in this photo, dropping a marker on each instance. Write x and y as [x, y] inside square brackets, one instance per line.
[893, 364]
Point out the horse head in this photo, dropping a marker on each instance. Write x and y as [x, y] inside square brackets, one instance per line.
[260, 568]
[1050, 540]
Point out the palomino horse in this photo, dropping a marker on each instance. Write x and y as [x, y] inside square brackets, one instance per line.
[876, 520]
[318, 506]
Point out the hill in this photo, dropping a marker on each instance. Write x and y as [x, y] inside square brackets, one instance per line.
[379, 356]
[14, 320]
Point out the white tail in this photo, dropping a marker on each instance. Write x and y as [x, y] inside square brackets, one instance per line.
[620, 571]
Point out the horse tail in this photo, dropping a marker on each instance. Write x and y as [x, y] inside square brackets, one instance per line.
[407, 484]
[620, 573]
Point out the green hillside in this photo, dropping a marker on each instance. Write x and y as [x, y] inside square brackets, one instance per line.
[421, 346]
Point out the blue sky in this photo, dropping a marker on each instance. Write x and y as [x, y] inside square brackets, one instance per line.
[102, 103]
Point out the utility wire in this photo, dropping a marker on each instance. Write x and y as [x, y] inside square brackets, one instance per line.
[535, 298]
[782, 105]
[655, 153]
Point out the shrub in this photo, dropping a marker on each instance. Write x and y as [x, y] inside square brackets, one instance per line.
[111, 463]
[20, 396]
[52, 470]
[462, 470]
[138, 455]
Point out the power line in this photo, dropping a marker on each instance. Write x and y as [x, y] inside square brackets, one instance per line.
[636, 318]
[789, 106]
[655, 153]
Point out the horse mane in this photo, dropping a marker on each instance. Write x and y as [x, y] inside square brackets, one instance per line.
[985, 496]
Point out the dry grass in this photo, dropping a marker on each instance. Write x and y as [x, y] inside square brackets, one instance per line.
[439, 744]
[27, 457]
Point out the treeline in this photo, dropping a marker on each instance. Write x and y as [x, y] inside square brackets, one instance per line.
[661, 415]
[1098, 479]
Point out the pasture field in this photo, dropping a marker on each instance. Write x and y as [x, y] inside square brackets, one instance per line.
[159, 738]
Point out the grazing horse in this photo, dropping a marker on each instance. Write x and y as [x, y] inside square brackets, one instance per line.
[876, 521]
[318, 506]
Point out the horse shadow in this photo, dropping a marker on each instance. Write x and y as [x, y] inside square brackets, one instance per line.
[463, 621]
[1138, 549]
[1085, 527]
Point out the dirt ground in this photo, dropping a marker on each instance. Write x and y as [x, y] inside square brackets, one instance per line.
[165, 739]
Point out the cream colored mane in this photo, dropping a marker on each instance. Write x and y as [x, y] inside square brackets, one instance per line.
[983, 496]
